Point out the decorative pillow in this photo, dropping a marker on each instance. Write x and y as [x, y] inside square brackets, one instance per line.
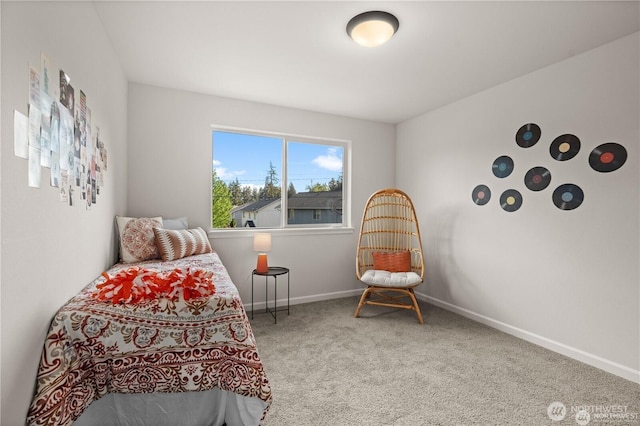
[137, 241]
[392, 261]
[177, 223]
[176, 244]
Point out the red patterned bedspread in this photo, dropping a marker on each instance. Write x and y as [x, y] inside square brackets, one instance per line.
[93, 347]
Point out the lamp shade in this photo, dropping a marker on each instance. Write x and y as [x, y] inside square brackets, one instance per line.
[372, 28]
[261, 242]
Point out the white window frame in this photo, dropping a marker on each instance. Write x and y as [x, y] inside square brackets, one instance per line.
[345, 226]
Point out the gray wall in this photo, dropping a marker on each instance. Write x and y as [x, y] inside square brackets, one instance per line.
[49, 249]
[170, 175]
[567, 280]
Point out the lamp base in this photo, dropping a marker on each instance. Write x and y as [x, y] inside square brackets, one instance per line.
[262, 266]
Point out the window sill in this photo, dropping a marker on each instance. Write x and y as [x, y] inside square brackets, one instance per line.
[245, 232]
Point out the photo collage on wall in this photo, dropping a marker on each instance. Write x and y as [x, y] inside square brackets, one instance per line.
[604, 158]
[59, 133]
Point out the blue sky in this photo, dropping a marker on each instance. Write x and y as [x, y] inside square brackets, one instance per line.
[247, 157]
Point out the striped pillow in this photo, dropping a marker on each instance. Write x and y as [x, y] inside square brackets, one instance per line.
[176, 244]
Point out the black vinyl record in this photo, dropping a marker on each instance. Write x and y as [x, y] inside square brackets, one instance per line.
[537, 178]
[564, 147]
[502, 166]
[568, 196]
[607, 157]
[528, 135]
[481, 195]
[510, 200]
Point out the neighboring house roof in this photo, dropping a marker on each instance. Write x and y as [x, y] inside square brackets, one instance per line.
[239, 208]
[257, 205]
[328, 200]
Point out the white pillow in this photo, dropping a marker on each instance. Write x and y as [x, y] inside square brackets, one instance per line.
[137, 240]
[175, 224]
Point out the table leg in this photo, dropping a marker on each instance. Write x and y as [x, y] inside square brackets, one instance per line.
[266, 294]
[288, 290]
[252, 295]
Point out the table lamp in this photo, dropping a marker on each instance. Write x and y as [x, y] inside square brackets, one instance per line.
[262, 244]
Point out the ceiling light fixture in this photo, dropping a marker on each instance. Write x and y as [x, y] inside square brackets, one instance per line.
[371, 29]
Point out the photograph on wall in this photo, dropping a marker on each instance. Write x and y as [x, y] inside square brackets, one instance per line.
[102, 151]
[55, 169]
[93, 167]
[55, 127]
[86, 148]
[66, 137]
[34, 86]
[88, 190]
[94, 193]
[71, 192]
[66, 92]
[77, 132]
[71, 164]
[83, 158]
[99, 177]
[77, 167]
[83, 119]
[20, 135]
[45, 104]
[48, 75]
[64, 149]
[64, 187]
[35, 171]
[104, 159]
[35, 119]
[45, 130]
[83, 186]
[45, 142]
[94, 179]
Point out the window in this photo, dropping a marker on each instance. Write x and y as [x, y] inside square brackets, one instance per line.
[268, 180]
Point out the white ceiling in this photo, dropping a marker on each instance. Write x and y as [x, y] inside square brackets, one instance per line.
[297, 54]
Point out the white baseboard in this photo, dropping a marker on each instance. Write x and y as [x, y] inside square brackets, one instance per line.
[307, 299]
[577, 354]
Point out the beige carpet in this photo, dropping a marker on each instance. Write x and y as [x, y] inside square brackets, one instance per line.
[328, 368]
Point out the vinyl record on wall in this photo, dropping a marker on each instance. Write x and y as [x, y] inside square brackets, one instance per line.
[481, 195]
[537, 178]
[564, 147]
[502, 166]
[528, 135]
[568, 196]
[510, 200]
[607, 157]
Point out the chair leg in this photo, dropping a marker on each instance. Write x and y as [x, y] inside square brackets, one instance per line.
[408, 292]
[416, 306]
[365, 295]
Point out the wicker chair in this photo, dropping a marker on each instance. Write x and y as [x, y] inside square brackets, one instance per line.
[389, 259]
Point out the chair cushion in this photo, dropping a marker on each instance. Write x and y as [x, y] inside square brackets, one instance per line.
[390, 279]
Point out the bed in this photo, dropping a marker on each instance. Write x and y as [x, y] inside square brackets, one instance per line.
[160, 360]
